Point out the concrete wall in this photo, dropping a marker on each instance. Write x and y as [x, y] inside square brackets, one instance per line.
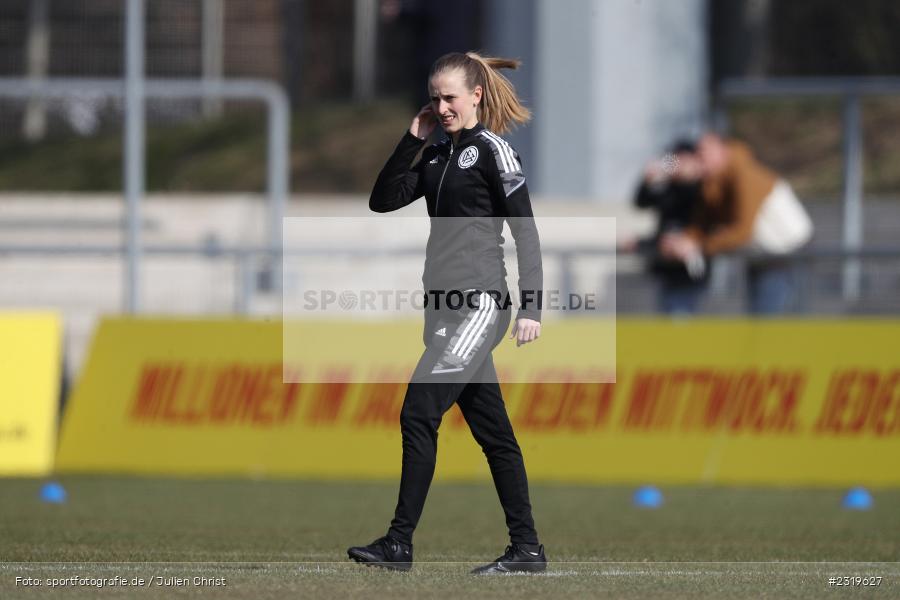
[611, 82]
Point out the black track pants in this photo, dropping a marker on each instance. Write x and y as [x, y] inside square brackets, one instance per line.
[457, 367]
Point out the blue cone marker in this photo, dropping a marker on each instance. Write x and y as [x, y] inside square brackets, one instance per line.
[53, 492]
[858, 498]
[648, 497]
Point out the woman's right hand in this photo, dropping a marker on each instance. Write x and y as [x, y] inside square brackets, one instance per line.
[423, 123]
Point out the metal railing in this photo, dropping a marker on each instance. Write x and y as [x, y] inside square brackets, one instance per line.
[278, 148]
[815, 268]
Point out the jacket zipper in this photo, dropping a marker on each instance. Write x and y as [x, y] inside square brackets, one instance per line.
[437, 200]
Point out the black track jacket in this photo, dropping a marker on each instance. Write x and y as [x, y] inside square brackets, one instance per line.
[472, 187]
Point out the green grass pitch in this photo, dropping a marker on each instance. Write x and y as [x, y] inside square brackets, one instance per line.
[279, 539]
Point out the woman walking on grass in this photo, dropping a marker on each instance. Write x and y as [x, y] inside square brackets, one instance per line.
[472, 181]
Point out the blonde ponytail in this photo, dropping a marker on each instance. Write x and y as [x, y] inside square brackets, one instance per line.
[500, 108]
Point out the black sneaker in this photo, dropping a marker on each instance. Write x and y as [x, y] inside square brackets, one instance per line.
[519, 558]
[384, 552]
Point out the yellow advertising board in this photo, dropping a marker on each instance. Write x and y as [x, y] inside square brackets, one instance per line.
[30, 369]
[702, 401]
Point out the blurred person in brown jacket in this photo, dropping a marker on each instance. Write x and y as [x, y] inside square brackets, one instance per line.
[745, 206]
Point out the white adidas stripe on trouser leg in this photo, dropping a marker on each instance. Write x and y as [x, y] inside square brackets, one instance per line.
[469, 339]
[471, 325]
[473, 335]
[487, 320]
[479, 323]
